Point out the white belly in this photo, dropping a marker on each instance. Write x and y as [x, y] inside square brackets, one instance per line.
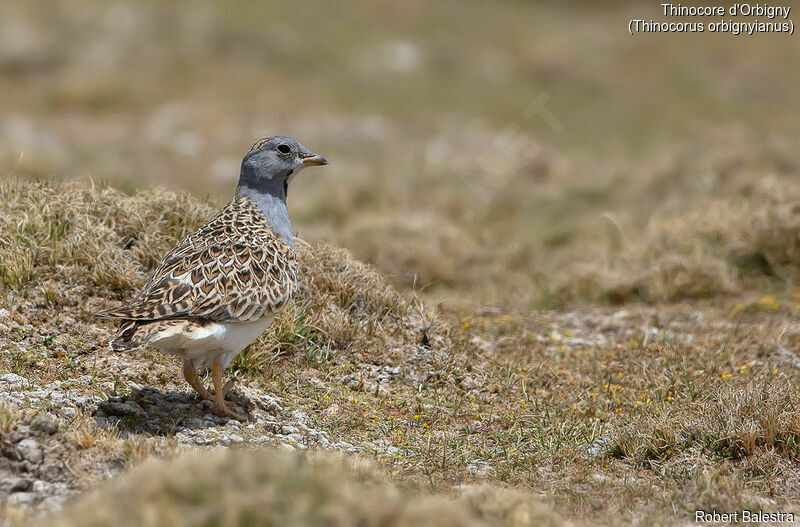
[214, 341]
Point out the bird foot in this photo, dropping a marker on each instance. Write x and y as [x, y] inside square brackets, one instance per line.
[228, 409]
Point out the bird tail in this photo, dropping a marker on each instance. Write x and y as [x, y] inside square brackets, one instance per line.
[116, 313]
[129, 337]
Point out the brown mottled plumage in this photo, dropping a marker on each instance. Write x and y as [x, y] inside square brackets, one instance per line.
[221, 286]
[234, 268]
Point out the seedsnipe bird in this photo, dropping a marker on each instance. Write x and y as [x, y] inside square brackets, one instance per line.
[221, 287]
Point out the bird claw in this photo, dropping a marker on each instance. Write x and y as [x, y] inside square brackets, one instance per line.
[222, 407]
[229, 410]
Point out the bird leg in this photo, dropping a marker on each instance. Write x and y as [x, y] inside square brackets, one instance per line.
[229, 386]
[190, 374]
[221, 407]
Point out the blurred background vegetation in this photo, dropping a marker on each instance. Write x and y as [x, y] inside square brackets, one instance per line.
[514, 153]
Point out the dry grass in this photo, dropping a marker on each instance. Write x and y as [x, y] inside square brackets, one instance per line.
[270, 487]
[87, 234]
[729, 423]
[84, 433]
[725, 247]
[10, 415]
[341, 305]
[570, 405]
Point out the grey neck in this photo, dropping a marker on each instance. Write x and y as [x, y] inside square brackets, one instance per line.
[274, 209]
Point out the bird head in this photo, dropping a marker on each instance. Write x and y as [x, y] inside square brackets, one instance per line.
[272, 162]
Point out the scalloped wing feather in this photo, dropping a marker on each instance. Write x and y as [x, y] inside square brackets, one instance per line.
[234, 268]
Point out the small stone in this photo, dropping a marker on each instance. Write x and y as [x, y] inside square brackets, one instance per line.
[52, 504]
[480, 469]
[15, 484]
[300, 417]
[44, 424]
[271, 427]
[121, 409]
[4, 313]
[193, 423]
[288, 430]
[40, 487]
[12, 380]
[49, 471]
[30, 450]
[23, 498]
[269, 404]
[598, 446]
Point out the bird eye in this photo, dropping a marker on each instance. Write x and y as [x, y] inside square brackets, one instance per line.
[284, 149]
